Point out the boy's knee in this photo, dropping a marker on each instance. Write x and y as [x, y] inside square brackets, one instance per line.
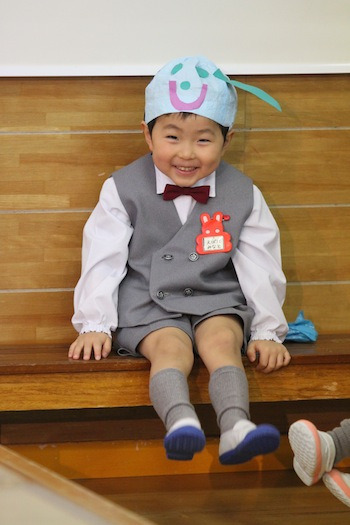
[177, 353]
[225, 338]
[168, 345]
[221, 334]
[220, 347]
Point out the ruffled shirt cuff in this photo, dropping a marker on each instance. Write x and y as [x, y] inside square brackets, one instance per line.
[264, 335]
[91, 327]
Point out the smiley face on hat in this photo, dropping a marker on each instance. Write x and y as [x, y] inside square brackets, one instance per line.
[192, 84]
[196, 85]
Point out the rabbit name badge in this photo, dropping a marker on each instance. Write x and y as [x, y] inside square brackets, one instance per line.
[213, 238]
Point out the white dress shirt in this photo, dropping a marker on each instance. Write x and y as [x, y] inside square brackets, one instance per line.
[257, 261]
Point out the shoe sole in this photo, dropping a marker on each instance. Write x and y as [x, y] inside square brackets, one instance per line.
[183, 443]
[263, 440]
[305, 442]
[337, 486]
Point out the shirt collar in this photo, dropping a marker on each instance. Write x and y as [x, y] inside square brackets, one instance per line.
[162, 180]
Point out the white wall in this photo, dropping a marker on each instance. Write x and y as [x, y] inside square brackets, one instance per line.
[136, 37]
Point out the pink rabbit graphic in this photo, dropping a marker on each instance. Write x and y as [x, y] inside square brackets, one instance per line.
[213, 238]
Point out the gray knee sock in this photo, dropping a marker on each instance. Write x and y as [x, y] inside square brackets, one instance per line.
[170, 396]
[228, 390]
[341, 438]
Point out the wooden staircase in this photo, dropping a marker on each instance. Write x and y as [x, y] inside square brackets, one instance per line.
[53, 408]
[92, 422]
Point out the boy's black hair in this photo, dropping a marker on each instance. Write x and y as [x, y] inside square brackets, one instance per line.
[224, 130]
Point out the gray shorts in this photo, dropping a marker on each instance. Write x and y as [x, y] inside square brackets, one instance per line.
[126, 340]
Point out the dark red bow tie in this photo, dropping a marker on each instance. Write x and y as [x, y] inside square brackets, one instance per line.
[199, 193]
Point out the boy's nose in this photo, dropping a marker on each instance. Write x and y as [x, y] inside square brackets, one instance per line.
[186, 151]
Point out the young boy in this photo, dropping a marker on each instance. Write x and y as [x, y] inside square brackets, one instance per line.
[182, 255]
[316, 453]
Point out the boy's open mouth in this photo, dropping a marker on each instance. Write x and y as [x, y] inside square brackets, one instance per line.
[186, 169]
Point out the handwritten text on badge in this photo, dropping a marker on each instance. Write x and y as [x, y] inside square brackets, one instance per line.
[213, 238]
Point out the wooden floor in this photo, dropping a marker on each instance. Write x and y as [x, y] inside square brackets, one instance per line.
[252, 498]
[31, 494]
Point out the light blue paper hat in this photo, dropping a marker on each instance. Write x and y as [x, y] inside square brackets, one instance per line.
[196, 85]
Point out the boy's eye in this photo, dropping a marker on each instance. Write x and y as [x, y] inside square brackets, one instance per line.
[204, 140]
[172, 137]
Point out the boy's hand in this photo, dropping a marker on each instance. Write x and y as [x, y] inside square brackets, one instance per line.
[269, 355]
[98, 343]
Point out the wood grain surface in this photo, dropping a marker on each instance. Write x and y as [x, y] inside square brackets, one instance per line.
[60, 138]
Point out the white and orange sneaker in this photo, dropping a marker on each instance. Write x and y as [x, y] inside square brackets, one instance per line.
[314, 451]
[339, 485]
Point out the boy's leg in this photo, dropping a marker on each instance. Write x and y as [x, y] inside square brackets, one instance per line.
[219, 341]
[341, 438]
[170, 353]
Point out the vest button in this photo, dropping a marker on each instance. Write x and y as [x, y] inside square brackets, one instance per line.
[168, 257]
[188, 292]
[160, 294]
[193, 256]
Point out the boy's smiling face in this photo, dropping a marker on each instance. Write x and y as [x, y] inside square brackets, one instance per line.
[186, 149]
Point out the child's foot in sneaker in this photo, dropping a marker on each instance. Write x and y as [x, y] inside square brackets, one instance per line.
[339, 485]
[184, 439]
[314, 451]
[246, 440]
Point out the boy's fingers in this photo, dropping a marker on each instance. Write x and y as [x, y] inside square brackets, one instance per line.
[286, 358]
[74, 350]
[87, 345]
[71, 349]
[107, 347]
[276, 361]
[280, 361]
[97, 348]
[87, 351]
[251, 354]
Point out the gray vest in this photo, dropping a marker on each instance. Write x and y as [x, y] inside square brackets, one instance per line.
[166, 276]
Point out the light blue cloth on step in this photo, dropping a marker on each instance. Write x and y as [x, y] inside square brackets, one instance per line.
[301, 330]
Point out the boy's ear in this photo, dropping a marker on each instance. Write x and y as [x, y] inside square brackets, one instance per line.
[228, 139]
[147, 135]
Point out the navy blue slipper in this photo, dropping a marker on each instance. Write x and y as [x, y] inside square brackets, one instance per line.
[262, 440]
[183, 443]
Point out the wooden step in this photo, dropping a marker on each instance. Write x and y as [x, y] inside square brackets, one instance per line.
[140, 458]
[94, 419]
[43, 378]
